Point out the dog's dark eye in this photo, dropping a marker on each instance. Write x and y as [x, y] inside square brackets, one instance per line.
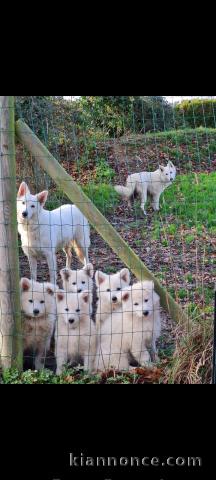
[78, 310]
[23, 203]
[74, 283]
[166, 173]
[67, 309]
[108, 289]
[30, 301]
[83, 282]
[119, 288]
[136, 304]
[32, 206]
[42, 301]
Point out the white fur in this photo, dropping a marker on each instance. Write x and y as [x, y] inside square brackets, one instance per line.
[78, 280]
[108, 286]
[43, 233]
[38, 327]
[144, 183]
[77, 338]
[130, 331]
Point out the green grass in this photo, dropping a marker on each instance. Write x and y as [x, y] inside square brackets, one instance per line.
[192, 201]
[103, 196]
[179, 135]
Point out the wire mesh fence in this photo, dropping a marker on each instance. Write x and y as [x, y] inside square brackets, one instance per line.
[148, 165]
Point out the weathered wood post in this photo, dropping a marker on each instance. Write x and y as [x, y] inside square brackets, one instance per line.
[50, 165]
[10, 316]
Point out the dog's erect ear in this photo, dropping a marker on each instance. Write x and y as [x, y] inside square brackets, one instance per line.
[171, 164]
[125, 296]
[50, 289]
[161, 168]
[125, 275]
[60, 296]
[85, 296]
[42, 197]
[100, 277]
[89, 269]
[25, 284]
[23, 190]
[65, 274]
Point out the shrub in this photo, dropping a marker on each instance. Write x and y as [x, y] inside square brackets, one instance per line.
[197, 113]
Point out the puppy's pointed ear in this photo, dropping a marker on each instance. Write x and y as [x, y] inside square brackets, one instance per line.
[86, 296]
[100, 278]
[60, 296]
[89, 269]
[171, 164]
[125, 275]
[42, 197]
[65, 274]
[50, 289]
[125, 296]
[23, 190]
[25, 284]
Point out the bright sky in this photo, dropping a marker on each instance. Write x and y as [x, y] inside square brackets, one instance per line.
[170, 99]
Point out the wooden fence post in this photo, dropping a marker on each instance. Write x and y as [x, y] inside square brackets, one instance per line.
[10, 316]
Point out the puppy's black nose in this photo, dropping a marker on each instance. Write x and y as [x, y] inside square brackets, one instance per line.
[80, 290]
[114, 299]
[35, 311]
[71, 320]
[146, 312]
[24, 214]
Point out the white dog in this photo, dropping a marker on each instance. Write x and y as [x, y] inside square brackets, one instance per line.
[39, 308]
[107, 288]
[75, 334]
[144, 183]
[132, 331]
[78, 280]
[43, 233]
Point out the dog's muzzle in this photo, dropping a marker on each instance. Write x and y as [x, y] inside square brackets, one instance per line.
[36, 311]
[145, 313]
[24, 214]
[114, 299]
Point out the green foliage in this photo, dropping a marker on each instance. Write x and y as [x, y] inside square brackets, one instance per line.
[103, 196]
[56, 121]
[196, 113]
[116, 115]
[104, 173]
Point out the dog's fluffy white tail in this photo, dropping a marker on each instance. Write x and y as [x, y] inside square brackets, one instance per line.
[126, 192]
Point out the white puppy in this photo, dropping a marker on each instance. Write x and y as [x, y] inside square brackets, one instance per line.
[39, 308]
[133, 331]
[45, 232]
[144, 183]
[75, 334]
[108, 286]
[78, 280]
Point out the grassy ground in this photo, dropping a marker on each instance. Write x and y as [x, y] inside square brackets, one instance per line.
[177, 244]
